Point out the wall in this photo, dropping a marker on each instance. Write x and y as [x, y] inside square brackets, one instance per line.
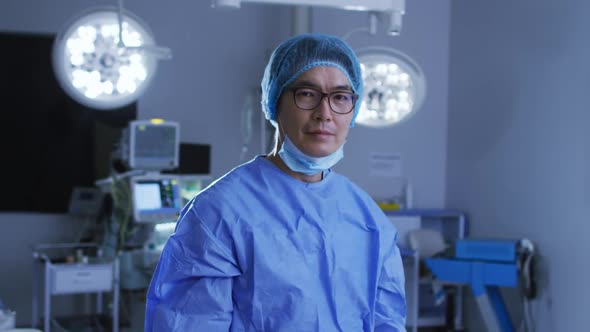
[518, 141]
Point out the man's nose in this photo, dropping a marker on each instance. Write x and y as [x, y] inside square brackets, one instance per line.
[323, 111]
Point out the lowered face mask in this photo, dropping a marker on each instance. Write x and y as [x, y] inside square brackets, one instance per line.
[298, 161]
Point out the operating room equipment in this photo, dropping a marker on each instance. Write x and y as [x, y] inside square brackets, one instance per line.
[147, 194]
[57, 272]
[150, 145]
[140, 193]
[156, 201]
[393, 9]
[395, 86]
[485, 266]
[423, 310]
[85, 202]
[155, 198]
[105, 58]
[246, 121]
[7, 317]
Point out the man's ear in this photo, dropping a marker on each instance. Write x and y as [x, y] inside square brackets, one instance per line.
[280, 132]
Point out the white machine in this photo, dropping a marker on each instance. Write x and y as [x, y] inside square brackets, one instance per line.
[151, 145]
[156, 198]
[145, 201]
[146, 148]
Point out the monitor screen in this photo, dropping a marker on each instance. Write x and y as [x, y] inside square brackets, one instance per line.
[156, 200]
[148, 196]
[153, 146]
[155, 141]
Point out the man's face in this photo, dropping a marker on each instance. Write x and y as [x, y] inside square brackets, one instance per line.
[317, 132]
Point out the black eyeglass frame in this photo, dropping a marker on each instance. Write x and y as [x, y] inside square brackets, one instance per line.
[323, 95]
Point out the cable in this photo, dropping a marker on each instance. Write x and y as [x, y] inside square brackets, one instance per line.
[530, 322]
[83, 229]
[527, 323]
[121, 208]
[525, 264]
[58, 325]
[246, 124]
[120, 20]
[346, 36]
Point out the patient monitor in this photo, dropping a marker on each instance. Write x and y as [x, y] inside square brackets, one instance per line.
[156, 198]
[151, 145]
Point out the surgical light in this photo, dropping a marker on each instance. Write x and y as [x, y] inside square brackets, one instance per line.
[394, 87]
[104, 59]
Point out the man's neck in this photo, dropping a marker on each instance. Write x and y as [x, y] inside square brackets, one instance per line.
[275, 159]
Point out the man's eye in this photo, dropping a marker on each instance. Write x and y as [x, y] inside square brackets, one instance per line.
[307, 93]
[343, 97]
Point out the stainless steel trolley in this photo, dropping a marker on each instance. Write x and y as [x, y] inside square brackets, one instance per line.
[83, 275]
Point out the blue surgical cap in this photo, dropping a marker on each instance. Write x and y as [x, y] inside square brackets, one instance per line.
[299, 54]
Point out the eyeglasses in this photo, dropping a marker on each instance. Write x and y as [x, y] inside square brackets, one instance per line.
[341, 102]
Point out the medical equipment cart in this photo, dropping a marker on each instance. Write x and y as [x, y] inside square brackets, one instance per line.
[411, 261]
[77, 275]
[422, 311]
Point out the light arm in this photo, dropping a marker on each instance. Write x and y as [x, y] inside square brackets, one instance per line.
[395, 9]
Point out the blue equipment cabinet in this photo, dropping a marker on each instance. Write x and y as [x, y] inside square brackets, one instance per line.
[485, 266]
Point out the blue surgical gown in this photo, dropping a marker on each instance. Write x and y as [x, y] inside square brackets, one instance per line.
[259, 250]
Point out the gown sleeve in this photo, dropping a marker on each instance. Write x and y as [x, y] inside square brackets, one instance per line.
[191, 289]
[390, 313]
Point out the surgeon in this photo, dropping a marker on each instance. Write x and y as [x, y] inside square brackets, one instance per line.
[282, 242]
